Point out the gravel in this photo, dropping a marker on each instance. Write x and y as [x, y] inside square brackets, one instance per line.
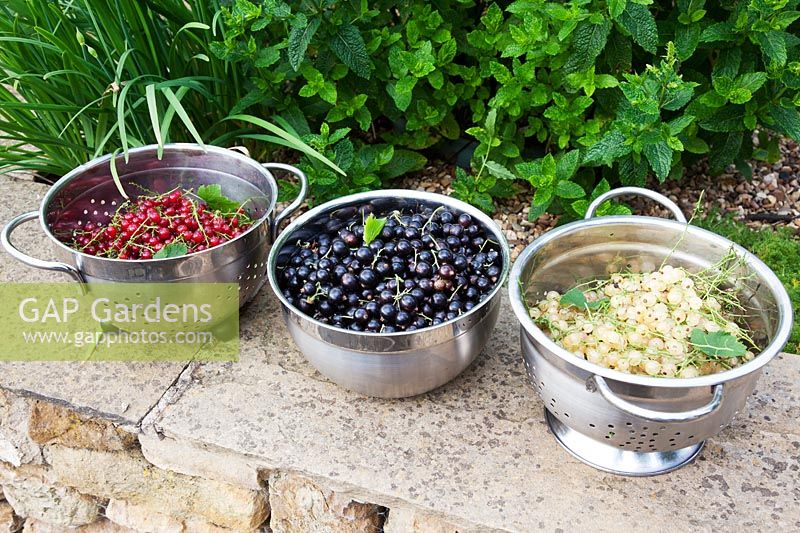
[771, 198]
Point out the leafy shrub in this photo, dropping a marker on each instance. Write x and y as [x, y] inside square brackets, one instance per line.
[87, 78]
[630, 86]
[568, 97]
[89, 75]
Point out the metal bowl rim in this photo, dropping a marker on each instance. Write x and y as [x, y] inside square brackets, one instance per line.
[77, 171]
[780, 338]
[362, 197]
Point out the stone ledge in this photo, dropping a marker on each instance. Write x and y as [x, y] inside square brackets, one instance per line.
[474, 455]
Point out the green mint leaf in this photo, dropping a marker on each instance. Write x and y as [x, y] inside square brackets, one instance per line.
[612, 146]
[499, 171]
[567, 165]
[173, 249]
[215, 200]
[787, 120]
[632, 172]
[639, 22]
[402, 162]
[717, 343]
[299, 39]
[569, 189]
[773, 44]
[589, 40]
[660, 157]
[349, 47]
[616, 7]
[372, 228]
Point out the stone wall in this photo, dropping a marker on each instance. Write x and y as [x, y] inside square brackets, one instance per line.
[64, 471]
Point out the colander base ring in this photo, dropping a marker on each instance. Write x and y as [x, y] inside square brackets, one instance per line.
[615, 461]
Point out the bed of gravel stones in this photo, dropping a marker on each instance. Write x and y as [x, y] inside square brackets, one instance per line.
[771, 198]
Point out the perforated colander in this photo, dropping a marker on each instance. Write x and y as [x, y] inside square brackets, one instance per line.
[89, 194]
[633, 424]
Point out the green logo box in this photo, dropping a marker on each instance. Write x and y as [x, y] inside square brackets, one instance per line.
[119, 321]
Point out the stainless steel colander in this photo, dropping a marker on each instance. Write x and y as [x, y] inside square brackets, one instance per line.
[88, 194]
[632, 424]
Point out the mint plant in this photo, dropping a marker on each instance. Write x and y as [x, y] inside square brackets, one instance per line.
[628, 88]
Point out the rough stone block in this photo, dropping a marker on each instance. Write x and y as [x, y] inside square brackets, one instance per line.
[32, 495]
[196, 525]
[9, 521]
[299, 504]
[98, 526]
[141, 518]
[194, 459]
[402, 520]
[54, 424]
[128, 476]
[16, 447]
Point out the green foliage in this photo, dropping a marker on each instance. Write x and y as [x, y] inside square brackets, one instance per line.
[610, 91]
[86, 78]
[623, 88]
[718, 344]
[779, 249]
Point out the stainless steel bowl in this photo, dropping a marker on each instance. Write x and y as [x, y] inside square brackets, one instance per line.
[388, 365]
[632, 424]
[89, 194]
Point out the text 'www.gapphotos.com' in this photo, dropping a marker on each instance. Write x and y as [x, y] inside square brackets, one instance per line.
[113, 338]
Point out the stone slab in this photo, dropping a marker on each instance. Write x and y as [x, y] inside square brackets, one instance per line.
[124, 392]
[477, 450]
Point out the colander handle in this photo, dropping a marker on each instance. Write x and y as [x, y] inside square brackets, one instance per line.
[5, 239]
[292, 207]
[599, 384]
[635, 191]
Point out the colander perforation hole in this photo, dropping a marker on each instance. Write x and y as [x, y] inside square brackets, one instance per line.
[611, 426]
[566, 414]
[592, 426]
[628, 423]
[690, 437]
[677, 433]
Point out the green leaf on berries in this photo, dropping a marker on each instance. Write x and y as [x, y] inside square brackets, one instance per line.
[215, 200]
[717, 343]
[576, 298]
[372, 228]
[173, 249]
